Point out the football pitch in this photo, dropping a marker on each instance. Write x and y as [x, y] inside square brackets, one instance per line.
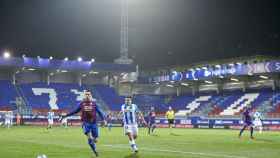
[28, 142]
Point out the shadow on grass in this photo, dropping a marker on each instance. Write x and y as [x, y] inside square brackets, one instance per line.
[264, 140]
[174, 134]
[133, 156]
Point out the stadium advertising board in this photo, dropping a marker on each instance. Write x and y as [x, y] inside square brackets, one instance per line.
[222, 70]
[216, 123]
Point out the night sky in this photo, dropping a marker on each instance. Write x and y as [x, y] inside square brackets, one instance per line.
[161, 32]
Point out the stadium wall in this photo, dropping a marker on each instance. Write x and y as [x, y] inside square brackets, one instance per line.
[64, 78]
[29, 77]
[152, 89]
[36, 76]
[5, 75]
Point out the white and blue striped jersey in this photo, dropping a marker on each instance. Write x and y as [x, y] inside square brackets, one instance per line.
[258, 116]
[129, 114]
[50, 115]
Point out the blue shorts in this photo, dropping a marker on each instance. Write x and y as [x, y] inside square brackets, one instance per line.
[247, 123]
[151, 123]
[91, 128]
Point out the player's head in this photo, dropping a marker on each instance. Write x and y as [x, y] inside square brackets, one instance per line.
[88, 95]
[152, 108]
[128, 100]
[169, 108]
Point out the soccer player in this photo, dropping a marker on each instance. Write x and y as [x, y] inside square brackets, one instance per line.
[152, 121]
[50, 119]
[109, 121]
[89, 110]
[129, 112]
[64, 122]
[246, 117]
[258, 121]
[8, 119]
[170, 115]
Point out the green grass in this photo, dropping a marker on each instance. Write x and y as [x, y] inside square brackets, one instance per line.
[28, 142]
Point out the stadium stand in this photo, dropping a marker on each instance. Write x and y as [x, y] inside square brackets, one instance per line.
[8, 93]
[66, 96]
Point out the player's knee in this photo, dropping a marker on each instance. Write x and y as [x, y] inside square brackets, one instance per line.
[95, 140]
[89, 136]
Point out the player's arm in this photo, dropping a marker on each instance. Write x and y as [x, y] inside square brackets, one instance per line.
[100, 113]
[261, 117]
[78, 109]
[120, 114]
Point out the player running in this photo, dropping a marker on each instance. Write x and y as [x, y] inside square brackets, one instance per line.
[89, 110]
[170, 115]
[152, 121]
[258, 121]
[50, 119]
[129, 112]
[247, 119]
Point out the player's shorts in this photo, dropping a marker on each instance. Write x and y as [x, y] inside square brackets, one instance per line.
[257, 123]
[170, 121]
[7, 121]
[90, 128]
[132, 129]
[50, 121]
[64, 121]
[152, 123]
[248, 123]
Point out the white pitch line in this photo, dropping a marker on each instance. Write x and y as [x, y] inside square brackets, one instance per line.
[179, 152]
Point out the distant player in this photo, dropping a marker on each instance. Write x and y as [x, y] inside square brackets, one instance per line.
[170, 115]
[64, 122]
[152, 121]
[8, 119]
[109, 121]
[89, 110]
[50, 119]
[258, 121]
[247, 119]
[129, 112]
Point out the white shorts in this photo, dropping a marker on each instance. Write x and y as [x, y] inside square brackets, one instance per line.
[132, 129]
[257, 123]
[50, 121]
[64, 121]
[7, 122]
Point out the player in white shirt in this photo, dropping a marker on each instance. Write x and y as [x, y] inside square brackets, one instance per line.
[258, 121]
[129, 113]
[8, 119]
[50, 119]
[64, 122]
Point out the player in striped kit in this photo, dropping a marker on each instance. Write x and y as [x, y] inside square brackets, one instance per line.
[258, 121]
[88, 111]
[130, 112]
[152, 121]
[247, 119]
